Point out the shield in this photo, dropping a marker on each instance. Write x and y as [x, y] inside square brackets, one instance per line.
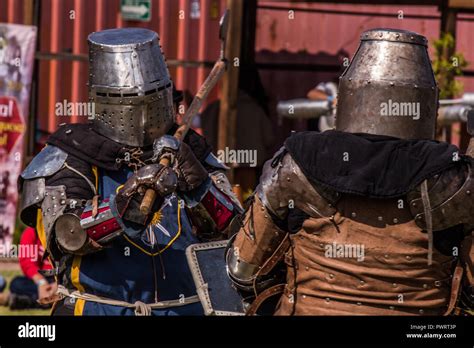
[214, 287]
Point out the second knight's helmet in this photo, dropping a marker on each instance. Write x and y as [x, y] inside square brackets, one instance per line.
[389, 88]
[130, 86]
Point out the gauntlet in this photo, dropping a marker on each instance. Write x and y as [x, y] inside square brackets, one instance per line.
[191, 173]
[157, 177]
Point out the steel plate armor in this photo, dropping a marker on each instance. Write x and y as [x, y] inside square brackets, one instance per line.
[389, 88]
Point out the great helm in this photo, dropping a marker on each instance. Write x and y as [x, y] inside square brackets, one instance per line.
[389, 87]
[130, 86]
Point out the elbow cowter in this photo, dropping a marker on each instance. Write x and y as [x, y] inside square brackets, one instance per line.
[283, 186]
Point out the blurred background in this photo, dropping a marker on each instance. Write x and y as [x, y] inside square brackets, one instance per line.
[291, 55]
[278, 51]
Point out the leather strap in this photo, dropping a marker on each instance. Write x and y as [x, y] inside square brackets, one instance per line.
[95, 205]
[428, 218]
[271, 291]
[276, 256]
[455, 286]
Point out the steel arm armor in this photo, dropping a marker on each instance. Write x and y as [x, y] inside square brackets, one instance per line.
[213, 209]
[451, 200]
[54, 184]
[282, 187]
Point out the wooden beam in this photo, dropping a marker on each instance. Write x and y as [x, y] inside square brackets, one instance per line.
[461, 4]
[249, 29]
[28, 10]
[29, 18]
[226, 136]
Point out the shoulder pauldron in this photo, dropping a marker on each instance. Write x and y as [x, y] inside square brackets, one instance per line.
[32, 181]
[450, 200]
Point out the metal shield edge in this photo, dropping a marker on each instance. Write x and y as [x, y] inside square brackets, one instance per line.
[201, 285]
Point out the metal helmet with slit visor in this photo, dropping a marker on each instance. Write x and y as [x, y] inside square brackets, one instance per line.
[130, 86]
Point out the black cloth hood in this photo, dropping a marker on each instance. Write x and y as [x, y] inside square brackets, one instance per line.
[370, 165]
[80, 140]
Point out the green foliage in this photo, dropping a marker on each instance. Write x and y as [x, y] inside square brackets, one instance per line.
[446, 68]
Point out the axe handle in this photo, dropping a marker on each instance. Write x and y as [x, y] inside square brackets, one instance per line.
[470, 148]
[214, 76]
[150, 195]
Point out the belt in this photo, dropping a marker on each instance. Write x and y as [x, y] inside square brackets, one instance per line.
[141, 308]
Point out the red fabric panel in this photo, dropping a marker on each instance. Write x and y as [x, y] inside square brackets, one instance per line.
[219, 213]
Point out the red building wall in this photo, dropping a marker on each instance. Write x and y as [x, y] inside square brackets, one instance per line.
[310, 37]
[65, 25]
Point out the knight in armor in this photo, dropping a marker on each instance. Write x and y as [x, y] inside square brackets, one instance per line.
[84, 190]
[372, 218]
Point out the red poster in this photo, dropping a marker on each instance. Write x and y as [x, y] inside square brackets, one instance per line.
[17, 48]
